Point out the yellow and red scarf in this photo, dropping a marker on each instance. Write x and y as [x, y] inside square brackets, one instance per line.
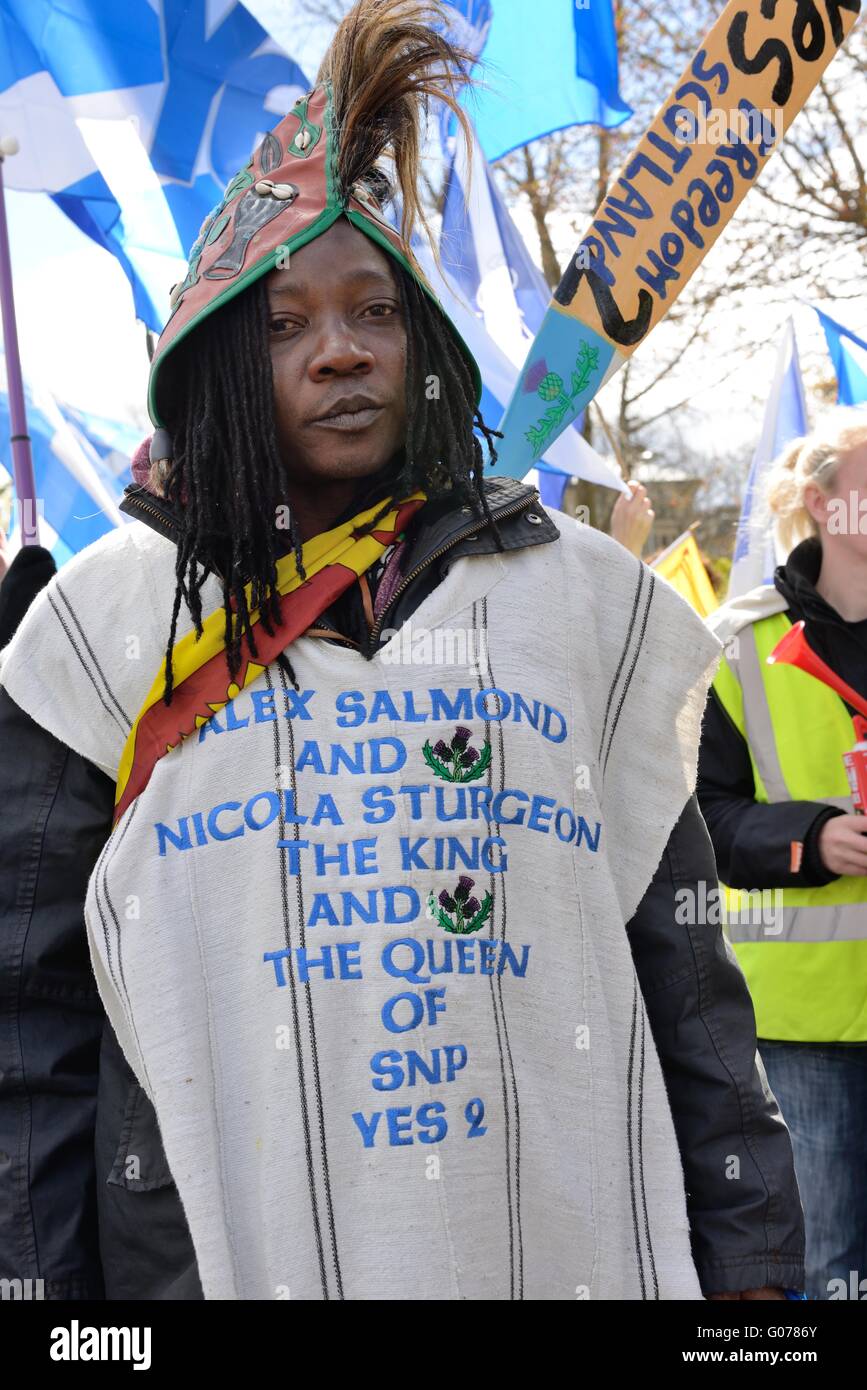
[332, 561]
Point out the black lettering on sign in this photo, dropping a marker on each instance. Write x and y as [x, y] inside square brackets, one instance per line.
[772, 50]
[806, 20]
[808, 17]
[619, 329]
[832, 9]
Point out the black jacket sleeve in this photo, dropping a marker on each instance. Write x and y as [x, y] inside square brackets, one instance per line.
[56, 815]
[742, 1197]
[29, 572]
[753, 840]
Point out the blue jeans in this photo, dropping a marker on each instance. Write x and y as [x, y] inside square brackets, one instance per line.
[821, 1089]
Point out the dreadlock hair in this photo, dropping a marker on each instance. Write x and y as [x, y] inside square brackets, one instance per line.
[387, 60]
[227, 478]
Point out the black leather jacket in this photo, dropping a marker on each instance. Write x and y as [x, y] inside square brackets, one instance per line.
[753, 839]
[76, 1212]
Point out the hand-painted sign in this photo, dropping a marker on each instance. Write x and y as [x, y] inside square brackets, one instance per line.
[673, 196]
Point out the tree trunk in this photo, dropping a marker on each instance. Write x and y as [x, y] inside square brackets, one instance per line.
[550, 264]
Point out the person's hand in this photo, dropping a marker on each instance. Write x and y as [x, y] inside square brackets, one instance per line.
[632, 518]
[751, 1295]
[5, 557]
[843, 845]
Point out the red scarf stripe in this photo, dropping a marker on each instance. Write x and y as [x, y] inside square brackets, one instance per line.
[162, 726]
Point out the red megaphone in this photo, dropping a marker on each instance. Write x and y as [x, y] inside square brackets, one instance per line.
[794, 649]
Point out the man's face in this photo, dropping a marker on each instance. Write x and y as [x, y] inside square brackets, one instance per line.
[338, 355]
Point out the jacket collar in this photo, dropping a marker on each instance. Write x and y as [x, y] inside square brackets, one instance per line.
[441, 525]
[796, 580]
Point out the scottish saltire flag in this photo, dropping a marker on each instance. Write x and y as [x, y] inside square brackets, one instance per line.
[552, 485]
[114, 441]
[487, 261]
[849, 355]
[77, 492]
[548, 65]
[755, 555]
[486, 256]
[134, 114]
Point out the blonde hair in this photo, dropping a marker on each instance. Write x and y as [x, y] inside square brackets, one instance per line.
[815, 458]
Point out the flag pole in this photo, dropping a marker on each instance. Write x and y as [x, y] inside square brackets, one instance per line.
[22, 458]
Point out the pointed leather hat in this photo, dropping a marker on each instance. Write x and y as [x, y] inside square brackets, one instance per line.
[298, 183]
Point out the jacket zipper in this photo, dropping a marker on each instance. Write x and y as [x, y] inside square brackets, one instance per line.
[404, 584]
[134, 500]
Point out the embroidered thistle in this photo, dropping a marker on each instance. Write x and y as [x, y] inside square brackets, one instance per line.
[457, 761]
[552, 389]
[469, 915]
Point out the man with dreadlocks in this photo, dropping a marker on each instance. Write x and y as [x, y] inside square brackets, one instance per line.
[399, 1000]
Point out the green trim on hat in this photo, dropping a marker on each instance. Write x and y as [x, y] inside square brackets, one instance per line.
[242, 282]
[370, 229]
[326, 218]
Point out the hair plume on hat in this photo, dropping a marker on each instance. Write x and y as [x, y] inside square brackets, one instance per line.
[388, 60]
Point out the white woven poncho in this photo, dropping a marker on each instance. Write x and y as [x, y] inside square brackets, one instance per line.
[379, 988]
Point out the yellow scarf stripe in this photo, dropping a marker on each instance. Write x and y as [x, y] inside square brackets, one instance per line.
[337, 546]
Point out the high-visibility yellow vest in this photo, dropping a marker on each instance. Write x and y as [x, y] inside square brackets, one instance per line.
[803, 950]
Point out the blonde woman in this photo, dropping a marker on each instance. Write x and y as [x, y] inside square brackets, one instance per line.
[774, 793]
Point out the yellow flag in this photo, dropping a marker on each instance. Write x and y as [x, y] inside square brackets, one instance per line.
[681, 564]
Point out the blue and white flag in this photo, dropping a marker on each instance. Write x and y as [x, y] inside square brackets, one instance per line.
[77, 492]
[552, 485]
[487, 262]
[114, 441]
[547, 66]
[849, 355]
[755, 556]
[134, 114]
[486, 256]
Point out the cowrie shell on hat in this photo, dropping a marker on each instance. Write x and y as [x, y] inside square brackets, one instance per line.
[284, 191]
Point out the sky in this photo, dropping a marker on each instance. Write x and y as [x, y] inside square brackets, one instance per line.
[76, 327]
[79, 338]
